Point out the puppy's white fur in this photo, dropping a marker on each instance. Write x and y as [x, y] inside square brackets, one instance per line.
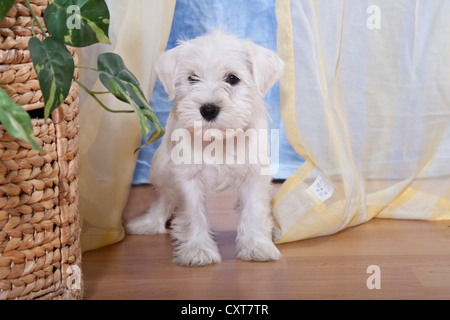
[195, 72]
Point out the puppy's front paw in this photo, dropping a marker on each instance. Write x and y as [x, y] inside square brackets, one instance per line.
[263, 250]
[196, 257]
[146, 224]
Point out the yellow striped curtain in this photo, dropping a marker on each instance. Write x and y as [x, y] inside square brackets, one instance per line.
[366, 100]
[139, 31]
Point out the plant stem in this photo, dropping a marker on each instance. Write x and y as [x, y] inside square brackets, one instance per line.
[92, 94]
[35, 19]
[32, 28]
[101, 92]
[85, 67]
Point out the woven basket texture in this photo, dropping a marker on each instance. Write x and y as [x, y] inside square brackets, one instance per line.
[40, 255]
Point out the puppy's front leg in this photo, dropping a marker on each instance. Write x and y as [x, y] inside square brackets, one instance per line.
[154, 220]
[190, 228]
[254, 238]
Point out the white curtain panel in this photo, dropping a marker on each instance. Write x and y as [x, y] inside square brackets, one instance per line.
[366, 100]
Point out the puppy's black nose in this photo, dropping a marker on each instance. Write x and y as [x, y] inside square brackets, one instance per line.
[209, 111]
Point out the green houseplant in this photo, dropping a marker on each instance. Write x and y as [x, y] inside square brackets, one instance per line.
[76, 23]
[40, 251]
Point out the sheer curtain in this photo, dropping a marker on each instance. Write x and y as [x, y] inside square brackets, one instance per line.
[139, 31]
[366, 100]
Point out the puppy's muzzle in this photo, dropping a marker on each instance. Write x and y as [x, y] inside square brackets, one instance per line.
[209, 111]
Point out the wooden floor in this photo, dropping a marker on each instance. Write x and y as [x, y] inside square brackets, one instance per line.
[413, 259]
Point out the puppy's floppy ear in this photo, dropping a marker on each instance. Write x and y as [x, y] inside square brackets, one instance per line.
[266, 66]
[166, 68]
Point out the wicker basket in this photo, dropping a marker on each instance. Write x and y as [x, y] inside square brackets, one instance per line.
[40, 255]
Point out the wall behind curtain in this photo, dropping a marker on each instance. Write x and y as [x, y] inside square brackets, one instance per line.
[254, 19]
[139, 31]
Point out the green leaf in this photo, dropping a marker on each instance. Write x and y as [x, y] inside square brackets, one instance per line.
[121, 87]
[112, 66]
[149, 114]
[54, 67]
[124, 85]
[78, 23]
[158, 131]
[16, 120]
[143, 113]
[5, 6]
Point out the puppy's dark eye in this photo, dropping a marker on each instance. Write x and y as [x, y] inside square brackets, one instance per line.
[232, 79]
[193, 79]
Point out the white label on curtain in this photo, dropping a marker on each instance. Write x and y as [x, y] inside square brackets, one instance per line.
[322, 187]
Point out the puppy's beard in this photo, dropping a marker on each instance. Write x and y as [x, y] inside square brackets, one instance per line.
[206, 129]
[224, 122]
[234, 112]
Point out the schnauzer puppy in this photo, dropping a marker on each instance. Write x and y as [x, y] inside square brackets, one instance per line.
[216, 137]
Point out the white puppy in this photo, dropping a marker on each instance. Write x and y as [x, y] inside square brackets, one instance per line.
[219, 82]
